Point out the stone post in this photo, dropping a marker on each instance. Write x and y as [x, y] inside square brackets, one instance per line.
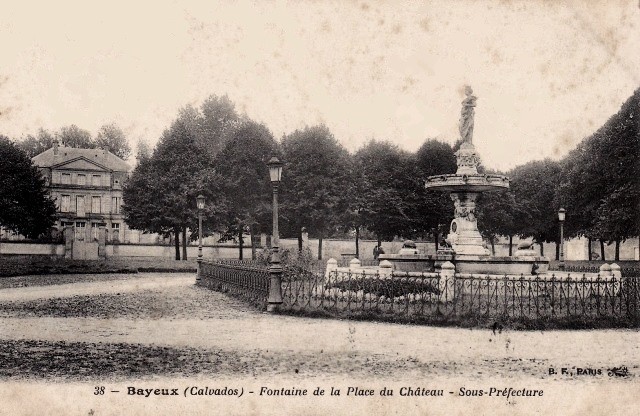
[386, 269]
[102, 240]
[447, 277]
[354, 265]
[69, 236]
[615, 271]
[605, 271]
[332, 266]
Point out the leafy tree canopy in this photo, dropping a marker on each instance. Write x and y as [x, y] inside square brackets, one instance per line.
[109, 135]
[314, 178]
[25, 206]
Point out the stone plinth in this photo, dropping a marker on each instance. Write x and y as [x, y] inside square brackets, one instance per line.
[521, 265]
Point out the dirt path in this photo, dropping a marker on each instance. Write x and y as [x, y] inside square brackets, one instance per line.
[167, 311]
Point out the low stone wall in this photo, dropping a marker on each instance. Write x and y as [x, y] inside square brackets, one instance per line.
[149, 250]
[36, 249]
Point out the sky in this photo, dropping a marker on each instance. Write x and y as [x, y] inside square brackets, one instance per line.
[546, 74]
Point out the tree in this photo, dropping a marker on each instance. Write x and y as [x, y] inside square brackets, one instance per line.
[161, 194]
[391, 192]
[246, 182]
[314, 181]
[34, 145]
[356, 208]
[74, 136]
[534, 187]
[601, 172]
[112, 137]
[499, 213]
[434, 158]
[25, 206]
[143, 150]
[212, 124]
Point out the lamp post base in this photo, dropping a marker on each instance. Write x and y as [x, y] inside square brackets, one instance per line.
[199, 271]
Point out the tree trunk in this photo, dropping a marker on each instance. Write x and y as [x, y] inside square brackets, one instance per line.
[590, 256]
[510, 245]
[617, 258]
[557, 251]
[357, 242]
[379, 241]
[184, 243]
[602, 256]
[300, 240]
[320, 246]
[176, 241]
[437, 235]
[493, 246]
[241, 241]
[253, 242]
[541, 249]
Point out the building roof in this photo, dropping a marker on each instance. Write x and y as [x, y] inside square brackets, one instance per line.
[102, 157]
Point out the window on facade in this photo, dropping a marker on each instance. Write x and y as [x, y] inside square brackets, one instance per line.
[115, 231]
[115, 205]
[80, 227]
[66, 178]
[95, 180]
[94, 230]
[65, 203]
[80, 205]
[95, 204]
[82, 179]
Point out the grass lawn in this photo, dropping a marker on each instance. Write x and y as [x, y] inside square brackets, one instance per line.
[40, 265]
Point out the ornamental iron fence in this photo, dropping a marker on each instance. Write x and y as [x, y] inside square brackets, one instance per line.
[417, 296]
[246, 279]
[429, 295]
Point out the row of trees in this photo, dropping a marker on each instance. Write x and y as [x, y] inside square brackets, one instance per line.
[213, 151]
[378, 190]
[109, 135]
[597, 182]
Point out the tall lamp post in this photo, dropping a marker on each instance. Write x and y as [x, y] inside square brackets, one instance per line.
[275, 269]
[561, 214]
[200, 204]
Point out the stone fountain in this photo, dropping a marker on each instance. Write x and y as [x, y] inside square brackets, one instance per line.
[468, 251]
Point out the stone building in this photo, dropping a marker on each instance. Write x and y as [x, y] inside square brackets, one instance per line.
[86, 185]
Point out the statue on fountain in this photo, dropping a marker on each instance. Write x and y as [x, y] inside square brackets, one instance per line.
[466, 115]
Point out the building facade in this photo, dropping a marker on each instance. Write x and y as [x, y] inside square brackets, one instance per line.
[86, 185]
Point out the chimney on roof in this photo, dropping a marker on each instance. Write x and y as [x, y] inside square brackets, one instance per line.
[55, 146]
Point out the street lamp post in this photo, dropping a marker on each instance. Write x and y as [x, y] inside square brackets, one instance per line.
[561, 215]
[275, 269]
[200, 204]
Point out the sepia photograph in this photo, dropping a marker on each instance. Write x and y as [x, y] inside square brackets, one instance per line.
[320, 207]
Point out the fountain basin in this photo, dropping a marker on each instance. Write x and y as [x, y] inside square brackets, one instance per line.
[467, 183]
[494, 265]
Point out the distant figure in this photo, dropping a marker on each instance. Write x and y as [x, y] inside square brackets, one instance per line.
[377, 250]
[466, 115]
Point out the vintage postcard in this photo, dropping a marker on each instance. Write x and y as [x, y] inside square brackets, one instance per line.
[320, 207]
